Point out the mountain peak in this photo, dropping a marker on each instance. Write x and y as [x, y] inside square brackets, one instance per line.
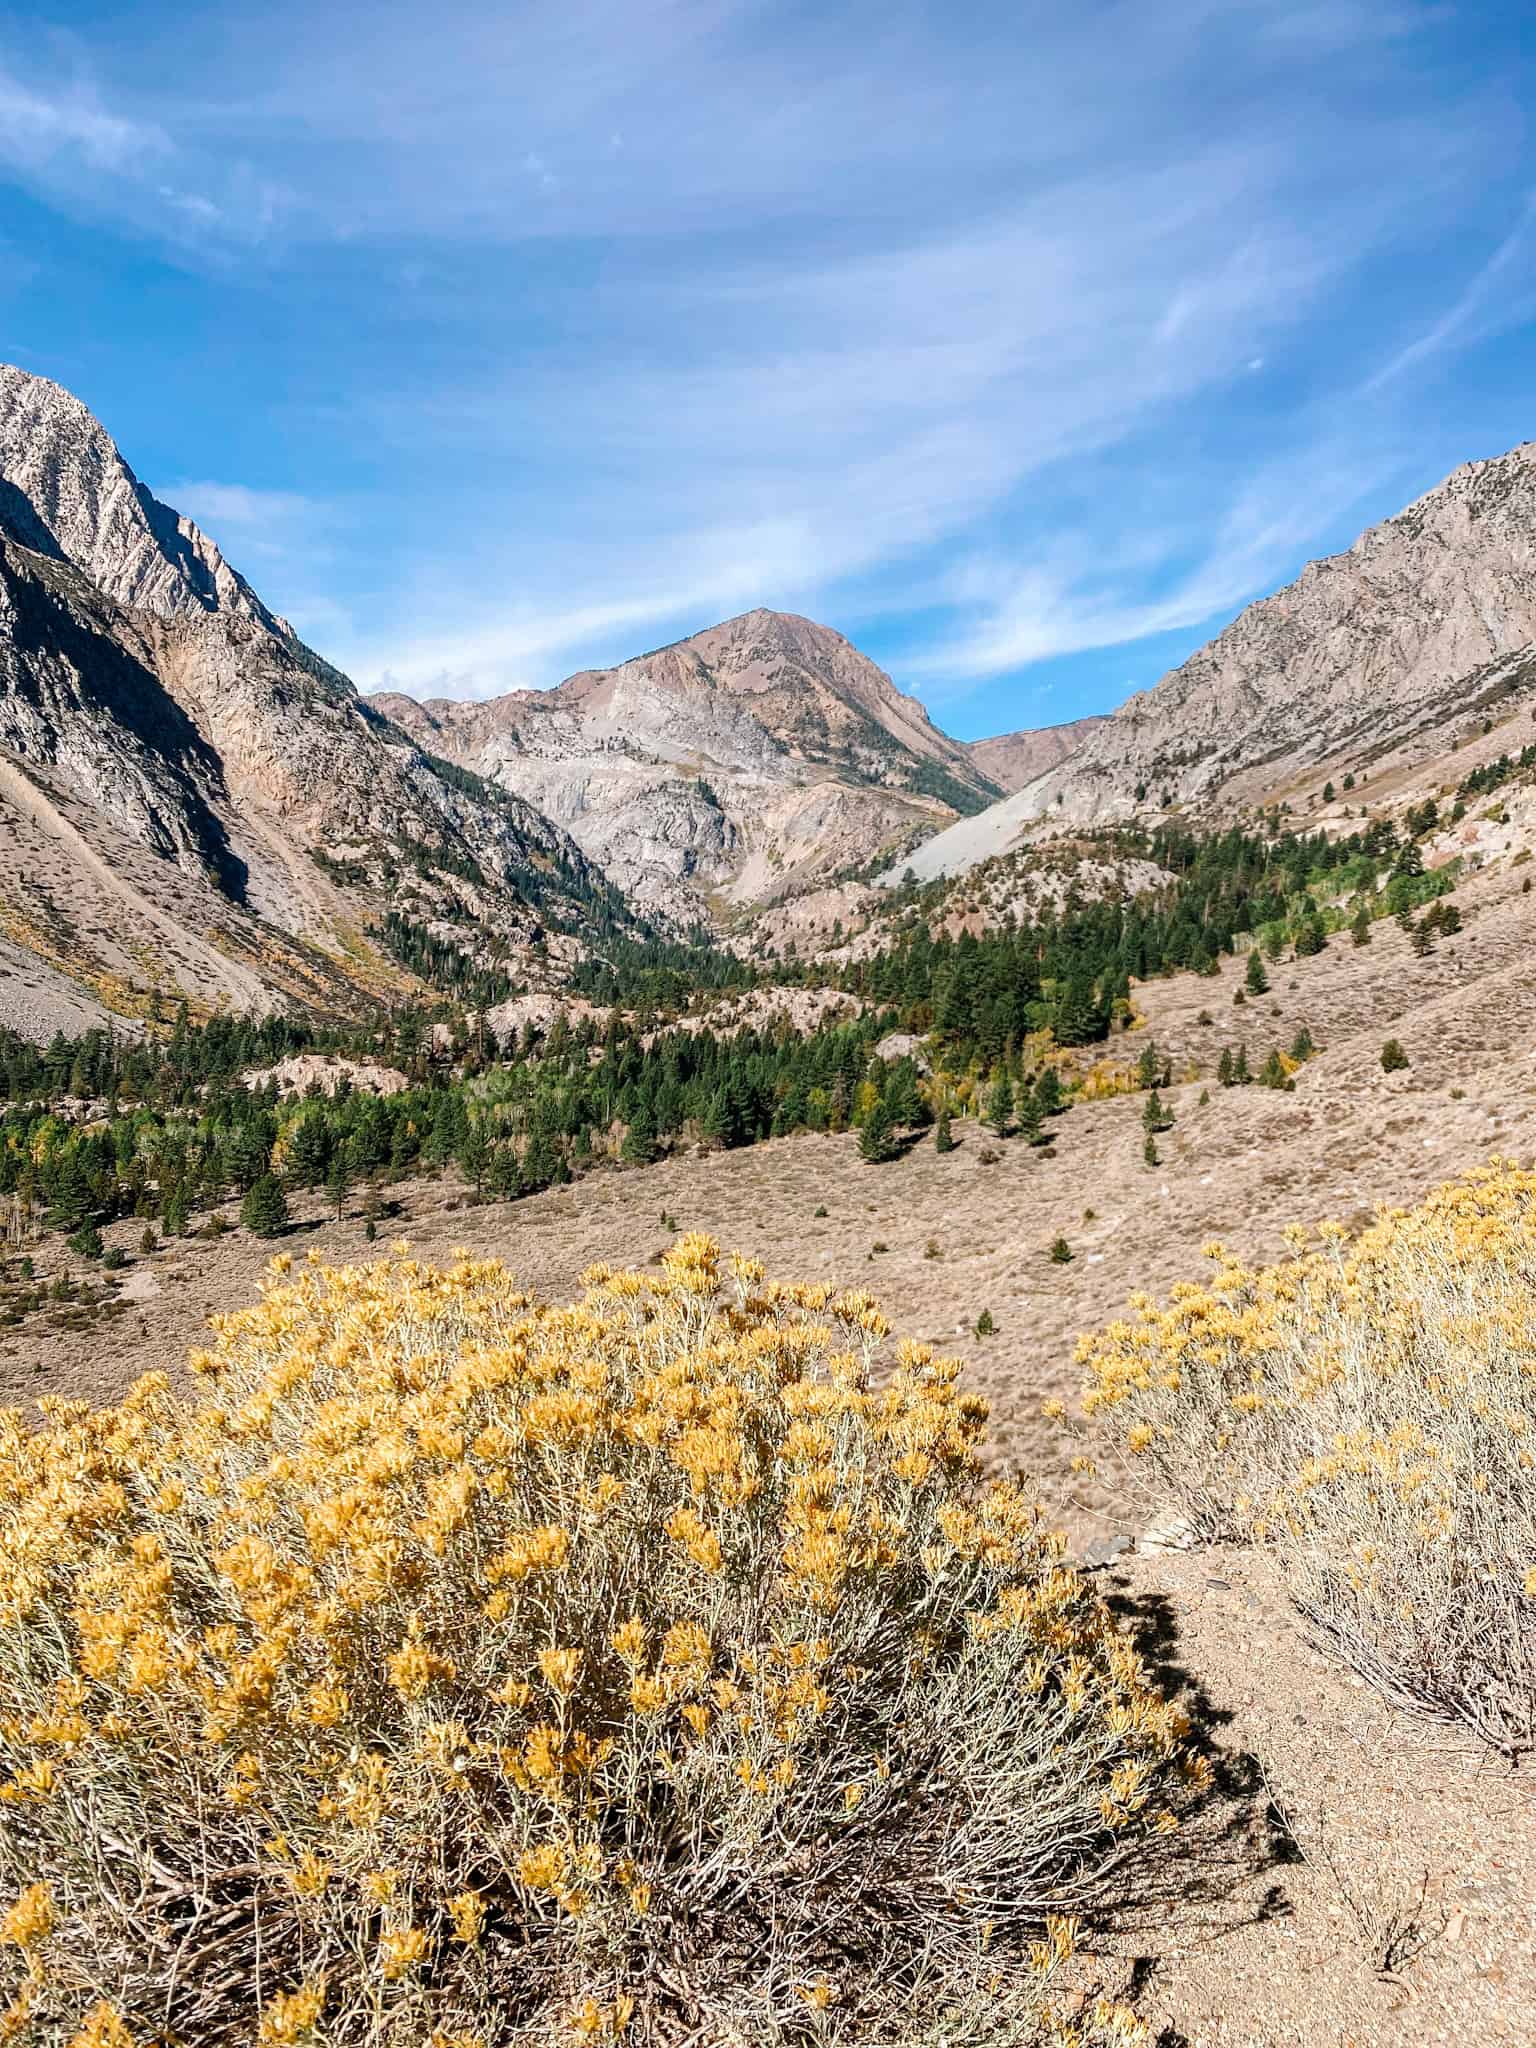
[65, 490]
[1389, 651]
[755, 757]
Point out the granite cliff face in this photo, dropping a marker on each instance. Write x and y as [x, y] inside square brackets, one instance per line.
[1418, 628]
[192, 804]
[66, 490]
[756, 758]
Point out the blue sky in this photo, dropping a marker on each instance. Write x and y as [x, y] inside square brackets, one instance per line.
[1023, 344]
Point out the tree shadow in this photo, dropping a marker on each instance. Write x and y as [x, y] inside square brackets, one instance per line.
[907, 1142]
[1227, 1864]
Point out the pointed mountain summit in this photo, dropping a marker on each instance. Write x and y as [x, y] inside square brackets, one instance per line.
[194, 806]
[66, 490]
[757, 757]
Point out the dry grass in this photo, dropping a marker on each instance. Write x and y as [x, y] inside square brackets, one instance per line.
[470, 1670]
[1368, 1408]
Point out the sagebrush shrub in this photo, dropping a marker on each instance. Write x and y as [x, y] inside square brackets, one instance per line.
[1369, 1408]
[464, 1670]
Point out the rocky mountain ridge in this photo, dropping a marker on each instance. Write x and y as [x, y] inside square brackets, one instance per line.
[65, 490]
[195, 806]
[1416, 631]
[1013, 759]
[761, 756]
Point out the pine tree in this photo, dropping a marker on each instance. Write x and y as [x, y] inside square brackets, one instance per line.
[906, 1098]
[1256, 981]
[877, 1136]
[264, 1211]
[248, 1155]
[73, 1201]
[1156, 1116]
[338, 1182]
[309, 1149]
[1000, 1105]
[474, 1156]
[1224, 1072]
[1147, 1068]
[1393, 1058]
[1241, 1077]
[1360, 930]
[640, 1146]
[1409, 863]
[543, 1166]
[943, 1136]
[722, 1119]
[1080, 1018]
[1149, 1150]
[1031, 1115]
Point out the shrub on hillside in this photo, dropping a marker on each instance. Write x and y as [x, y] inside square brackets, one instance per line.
[462, 1670]
[1370, 1410]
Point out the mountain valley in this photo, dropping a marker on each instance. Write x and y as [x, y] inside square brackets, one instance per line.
[732, 938]
[207, 812]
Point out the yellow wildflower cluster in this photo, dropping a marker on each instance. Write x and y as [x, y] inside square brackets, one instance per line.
[1368, 1407]
[455, 1647]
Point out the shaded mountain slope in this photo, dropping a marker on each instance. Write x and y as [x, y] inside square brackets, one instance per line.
[193, 805]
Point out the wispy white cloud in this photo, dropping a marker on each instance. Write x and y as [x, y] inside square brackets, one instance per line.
[64, 136]
[40, 131]
[649, 315]
[1500, 295]
[907, 397]
[1074, 596]
[243, 505]
[278, 517]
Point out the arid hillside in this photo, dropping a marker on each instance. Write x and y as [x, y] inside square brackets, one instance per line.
[1239, 1166]
[1395, 648]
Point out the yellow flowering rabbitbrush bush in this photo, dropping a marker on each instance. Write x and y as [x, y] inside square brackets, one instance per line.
[467, 1671]
[1369, 1408]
